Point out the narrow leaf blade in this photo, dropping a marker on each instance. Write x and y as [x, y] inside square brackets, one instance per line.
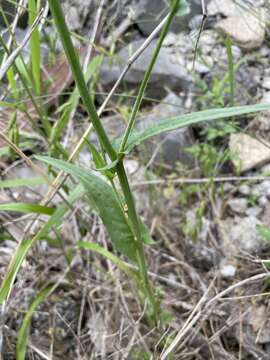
[105, 202]
[190, 119]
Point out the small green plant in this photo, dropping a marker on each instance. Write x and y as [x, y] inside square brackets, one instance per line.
[106, 187]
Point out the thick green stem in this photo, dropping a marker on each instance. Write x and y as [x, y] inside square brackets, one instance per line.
[104, 140]
[74, 63]
[106, 145]
[132, 214]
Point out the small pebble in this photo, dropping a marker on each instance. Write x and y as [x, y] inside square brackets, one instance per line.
[263, 201]
[228, 271]
[244, 189]
[238, 205]
[266, 83]
[253, 211]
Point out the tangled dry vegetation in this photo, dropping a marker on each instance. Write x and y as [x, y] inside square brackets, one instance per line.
[69, 289]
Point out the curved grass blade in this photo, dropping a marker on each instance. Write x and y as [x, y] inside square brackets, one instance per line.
[21, 182]
[24, 247]
[189, 119]
[27, 208]
[24, 329]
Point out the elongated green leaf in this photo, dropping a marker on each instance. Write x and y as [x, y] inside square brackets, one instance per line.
[21, 182]
[23, 332]
[35, 46]
[23, 248]
[189, 119]
[105, 202]
[27, 208]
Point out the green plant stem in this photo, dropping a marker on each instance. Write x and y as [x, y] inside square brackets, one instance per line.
[228, 44]
[105, 143]
[33, 9]
[74, 63]
[136, 107]
[132, 213]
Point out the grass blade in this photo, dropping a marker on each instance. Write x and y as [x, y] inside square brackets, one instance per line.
[21, 182]
[34, 46]
[27, 208]
[24, 246]
[190, 119]
[24, 329]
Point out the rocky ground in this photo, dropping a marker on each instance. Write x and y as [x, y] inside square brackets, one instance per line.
[204, 191]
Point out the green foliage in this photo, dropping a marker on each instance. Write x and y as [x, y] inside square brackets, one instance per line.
[54, 221]
[264, 232]
[115, 206]
[24, 329]
[209, 157]
[104, 200]
[178, 122]
[193, 227]
[27, 208]
[187, 192]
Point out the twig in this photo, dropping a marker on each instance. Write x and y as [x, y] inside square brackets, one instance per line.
[205, 309]
[204, 18]
[200, 180]
[12, 57]
[13, 27]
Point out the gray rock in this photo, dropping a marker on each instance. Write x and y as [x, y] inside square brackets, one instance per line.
[242, 233]
[238, 205]
[227, 271]
[169, 148]
[254, 211]
[247, 29]
[151, 12]
[264, 188]
[262, 120]
[76, 12]
[244, 189]
[263, 201]
[248, 153]
[266, 169]
[266, 83]
[169, 70]
[20, 35]
[223, 7]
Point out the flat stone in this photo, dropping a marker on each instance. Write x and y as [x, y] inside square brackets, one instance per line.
[244, 189]
[266, 83]
[77, 11]
[238, 205]
[248, 153]
[262, 120]
[223, 7]
[227, 271]
[242, 233]
[246, 29]
[263, 201]
[254, 211]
